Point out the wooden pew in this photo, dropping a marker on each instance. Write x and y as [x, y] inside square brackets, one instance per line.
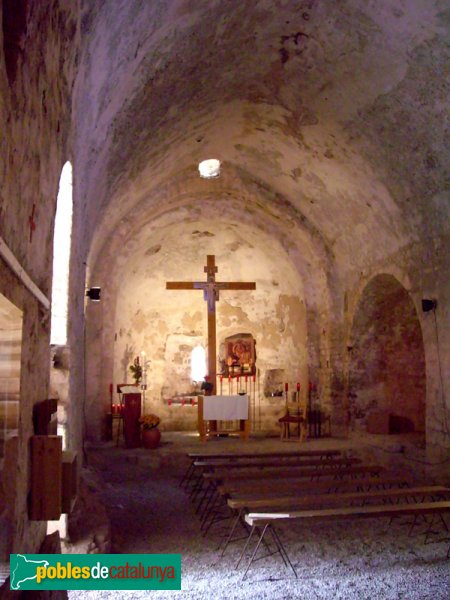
[311, 465]
[250, 489]
[206, 465]
[262, 503]
[264, 521]
[314, 500]
[263, 455]
[255, 457]
[292, 472]
[276, 476]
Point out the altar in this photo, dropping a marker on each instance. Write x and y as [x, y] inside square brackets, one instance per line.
[214, 410]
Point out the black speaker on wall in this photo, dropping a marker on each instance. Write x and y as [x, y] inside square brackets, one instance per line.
[428, 305]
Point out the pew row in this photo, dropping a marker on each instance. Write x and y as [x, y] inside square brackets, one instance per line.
[264, 522]
[255, 457]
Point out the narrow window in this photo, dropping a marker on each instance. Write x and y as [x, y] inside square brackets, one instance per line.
[198, 363]
[61, 258]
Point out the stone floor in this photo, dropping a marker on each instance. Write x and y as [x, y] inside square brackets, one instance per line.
[370, 559]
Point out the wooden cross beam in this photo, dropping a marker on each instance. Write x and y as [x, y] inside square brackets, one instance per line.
[211, 289]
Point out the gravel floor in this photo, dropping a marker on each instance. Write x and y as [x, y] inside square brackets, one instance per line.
[359, 560]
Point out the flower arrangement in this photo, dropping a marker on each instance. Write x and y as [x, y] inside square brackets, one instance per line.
[136, 370]
[149, 421]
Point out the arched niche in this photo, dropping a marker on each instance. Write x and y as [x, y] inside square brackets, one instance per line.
[387, 359]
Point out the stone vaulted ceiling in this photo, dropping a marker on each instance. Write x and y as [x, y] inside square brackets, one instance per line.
[329, 117]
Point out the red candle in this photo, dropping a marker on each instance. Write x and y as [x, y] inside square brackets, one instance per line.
[183, 401]
[169, 401]
[238, 378]
[246, 378]
[298, 387]
[254, 377]
[286, 387]
[192, 401]
[229, 377]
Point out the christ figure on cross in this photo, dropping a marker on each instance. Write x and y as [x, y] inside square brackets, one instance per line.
[211, 289]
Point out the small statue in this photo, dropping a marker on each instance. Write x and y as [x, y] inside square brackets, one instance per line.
[207, 386]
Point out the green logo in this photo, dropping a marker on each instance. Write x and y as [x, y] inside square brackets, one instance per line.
[95, 571]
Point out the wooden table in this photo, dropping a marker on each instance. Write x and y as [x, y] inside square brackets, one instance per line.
[208, 428]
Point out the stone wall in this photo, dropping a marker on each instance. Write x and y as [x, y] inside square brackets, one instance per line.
[387, 361]
[37, 51]
[168, 324]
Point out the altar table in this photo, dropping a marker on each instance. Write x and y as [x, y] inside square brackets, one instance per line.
[213, 409]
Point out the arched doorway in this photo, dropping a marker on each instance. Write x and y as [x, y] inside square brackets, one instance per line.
[387, 387]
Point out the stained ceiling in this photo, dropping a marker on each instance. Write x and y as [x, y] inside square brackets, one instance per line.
[329, 118]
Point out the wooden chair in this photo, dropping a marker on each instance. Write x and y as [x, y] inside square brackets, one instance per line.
[295, 414]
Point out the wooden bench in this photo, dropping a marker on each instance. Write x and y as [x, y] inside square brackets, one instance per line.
[293, 471]
[244, 490]
[308, 464]
[256, 457]
[272, 487]
[264, 464]
[276, 476]
[266, 521]
[314, 500]
[262, 503]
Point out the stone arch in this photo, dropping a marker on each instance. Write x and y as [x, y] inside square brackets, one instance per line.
[387, 358]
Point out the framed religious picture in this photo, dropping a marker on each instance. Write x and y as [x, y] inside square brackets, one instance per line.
[239, 355]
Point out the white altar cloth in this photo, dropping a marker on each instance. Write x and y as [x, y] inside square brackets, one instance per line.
[225, 408]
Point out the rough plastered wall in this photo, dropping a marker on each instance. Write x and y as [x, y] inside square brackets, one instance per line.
[423, 270]
[334, 110]
[387, 360]
[167, 324]
[37, 45]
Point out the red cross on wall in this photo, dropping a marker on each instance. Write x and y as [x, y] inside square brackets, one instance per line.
[32, 222]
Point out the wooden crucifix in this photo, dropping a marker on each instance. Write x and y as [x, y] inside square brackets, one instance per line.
[211, 289]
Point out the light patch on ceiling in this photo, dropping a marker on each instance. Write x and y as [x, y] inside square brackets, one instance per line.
[210, 168]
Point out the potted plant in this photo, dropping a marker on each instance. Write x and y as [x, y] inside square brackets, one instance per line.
[151, 435]
[136, 370]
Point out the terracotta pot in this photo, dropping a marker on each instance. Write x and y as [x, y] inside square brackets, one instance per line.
[151, 438]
